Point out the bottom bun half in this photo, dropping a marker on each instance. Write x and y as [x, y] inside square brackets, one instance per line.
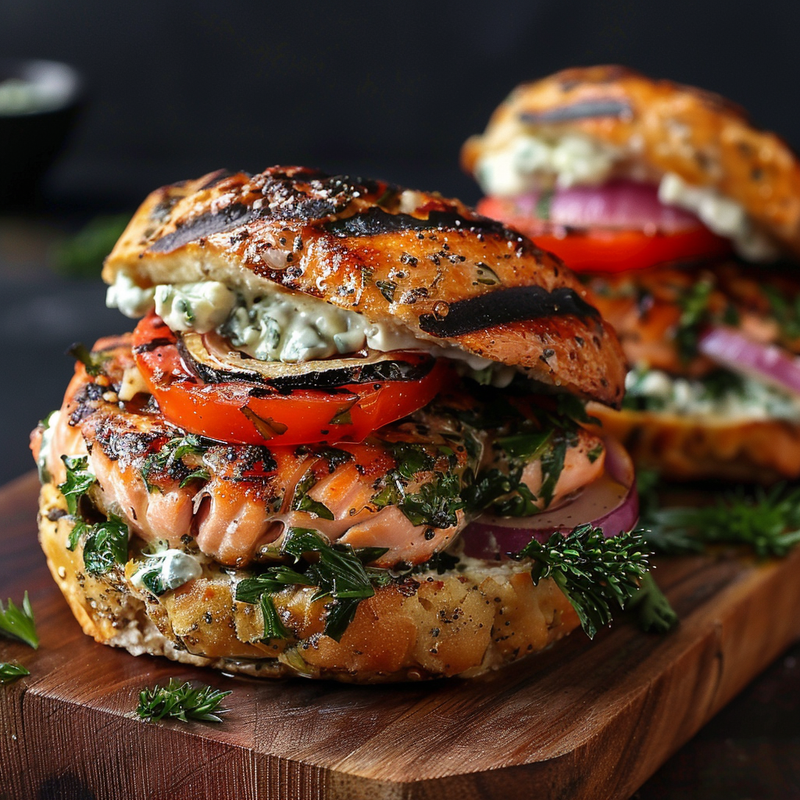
[464, 622]
[688, 448]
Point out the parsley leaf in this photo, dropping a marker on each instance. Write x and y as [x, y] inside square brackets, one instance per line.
[78, 481]
[181, 701]
[170, 458]
[18, 623]
[12, 672]
[593, 571]
[105, 546]
[336, 570]
[302, 501]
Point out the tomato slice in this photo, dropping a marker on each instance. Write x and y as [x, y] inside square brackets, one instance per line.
[611, 250]
[245, 412]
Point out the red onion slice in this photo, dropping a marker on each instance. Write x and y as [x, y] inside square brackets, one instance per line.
[765, 362]
[610, 503]
[620, 204]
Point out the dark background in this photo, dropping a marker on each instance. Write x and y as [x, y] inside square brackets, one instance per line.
[391, 90]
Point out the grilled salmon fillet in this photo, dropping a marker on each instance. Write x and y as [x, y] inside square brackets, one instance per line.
[429, 265]
[236, 501]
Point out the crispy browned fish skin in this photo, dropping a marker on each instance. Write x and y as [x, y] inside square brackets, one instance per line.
[696, 134]
[419, 260]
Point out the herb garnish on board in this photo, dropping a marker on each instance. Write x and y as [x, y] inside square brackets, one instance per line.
[181, 701]
[18, 623]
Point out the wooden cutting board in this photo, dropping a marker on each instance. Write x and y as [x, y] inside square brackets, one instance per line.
[583, 720]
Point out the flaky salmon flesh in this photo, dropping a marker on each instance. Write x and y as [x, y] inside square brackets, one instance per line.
[408, 489]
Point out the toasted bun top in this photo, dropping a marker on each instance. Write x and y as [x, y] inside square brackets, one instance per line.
[428, 264]
[700, 136]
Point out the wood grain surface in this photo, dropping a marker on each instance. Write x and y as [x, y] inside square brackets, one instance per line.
[583, 720]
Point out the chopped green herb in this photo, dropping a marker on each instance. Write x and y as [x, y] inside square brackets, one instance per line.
[653, 611]
[593, 571]
[334, 456]
[336, 570]
[387, 289]
[528, 446]
[18, 623]
[105, 546]
[595, 453]
[552, 466]
[694, 316]
[12, 672]
[79, 480]
[181, 701]
[170, 458]
[302, 501]
[94, 362]
[266, 426]
[543, 204]
[343, 416]
[273, 624]
[786, 312]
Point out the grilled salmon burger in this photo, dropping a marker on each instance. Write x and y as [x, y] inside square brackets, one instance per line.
[684, 218]
[344, 440]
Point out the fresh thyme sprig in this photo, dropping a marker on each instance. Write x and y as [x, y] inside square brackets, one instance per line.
[181, 701]
[651, 607]
[593, 571]
[12, 672]
[18, 623]
[766, 520]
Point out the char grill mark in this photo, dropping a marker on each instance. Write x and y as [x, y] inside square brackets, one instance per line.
[234, 216]
[515, 304]
[582, 110]
[376, 221]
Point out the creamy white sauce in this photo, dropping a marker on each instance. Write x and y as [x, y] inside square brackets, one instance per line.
[275, 325]
[174, 568]
[569, 160]
[527, 163]
[720, 214]
[49, 425]
[752, 401]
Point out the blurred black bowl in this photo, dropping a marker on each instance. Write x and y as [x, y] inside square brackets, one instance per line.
[39, 101]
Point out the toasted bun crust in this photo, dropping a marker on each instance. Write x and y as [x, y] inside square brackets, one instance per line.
[688, 448]
[430, 266]
[460, 623]
[700, 136]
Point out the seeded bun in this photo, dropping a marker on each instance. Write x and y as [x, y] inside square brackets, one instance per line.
[426, 265]
[668, 128]
[429, 626]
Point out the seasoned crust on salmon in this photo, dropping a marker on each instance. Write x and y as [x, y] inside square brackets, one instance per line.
[424, 263]
[427, 626]
[236, 501]
[668, 128]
